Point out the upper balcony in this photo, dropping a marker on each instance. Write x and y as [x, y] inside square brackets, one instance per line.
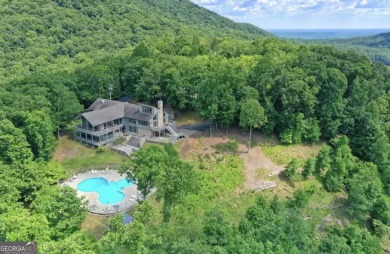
[79, 128]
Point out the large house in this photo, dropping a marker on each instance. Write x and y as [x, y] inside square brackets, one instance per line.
[106, 120]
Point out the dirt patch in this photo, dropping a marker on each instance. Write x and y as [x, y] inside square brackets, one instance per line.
[254, 161]
[199, 145]
[258, 167]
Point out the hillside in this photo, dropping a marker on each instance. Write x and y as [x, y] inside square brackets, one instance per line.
[37, 33]
[376, 47]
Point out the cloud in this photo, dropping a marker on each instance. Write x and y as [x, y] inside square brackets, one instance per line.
[304, 12]
[296, 7]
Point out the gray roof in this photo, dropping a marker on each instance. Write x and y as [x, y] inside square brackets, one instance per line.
[104, 115]
[103, 103]
[102, 111]
[132, 111]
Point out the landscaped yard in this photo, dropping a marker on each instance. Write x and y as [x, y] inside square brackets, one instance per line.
[76, 157]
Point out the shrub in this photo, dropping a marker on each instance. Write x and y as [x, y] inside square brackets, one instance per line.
[291, 169]
[229, 147]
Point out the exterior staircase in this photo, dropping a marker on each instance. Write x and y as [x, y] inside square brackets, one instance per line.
[175, 133]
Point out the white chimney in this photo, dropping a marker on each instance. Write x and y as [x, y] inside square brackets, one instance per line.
[160, 114]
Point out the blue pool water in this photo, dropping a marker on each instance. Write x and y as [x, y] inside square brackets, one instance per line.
[109, 192]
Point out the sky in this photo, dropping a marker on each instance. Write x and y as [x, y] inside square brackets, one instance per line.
[304, 14]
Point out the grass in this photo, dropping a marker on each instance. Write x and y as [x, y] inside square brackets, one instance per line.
[96, 225]
[76, 157]
[283, 154]
[190, 118]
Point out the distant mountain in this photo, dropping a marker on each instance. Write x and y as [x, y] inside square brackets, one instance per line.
[34, 34]
[376, 47]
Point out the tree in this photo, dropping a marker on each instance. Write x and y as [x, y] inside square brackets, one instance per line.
[38, 129]
[301, 198]
[133, 237]
[217, 230]
[162, 168]
[252, 116]
[176, 181]
[63, 209]
[65, 106]
[350, 239]
[19, 225]
[291, 169]
[14, 148]
[78, 243]
[215, 99]
[309, 167]
[341, 164]
[364, 189]
[323, 160]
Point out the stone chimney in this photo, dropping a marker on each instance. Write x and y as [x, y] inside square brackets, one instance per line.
[160, 114]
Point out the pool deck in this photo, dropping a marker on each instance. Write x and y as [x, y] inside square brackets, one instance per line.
[94, 206]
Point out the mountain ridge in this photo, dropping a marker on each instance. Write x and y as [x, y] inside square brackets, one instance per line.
[376, 47]
[37, 34]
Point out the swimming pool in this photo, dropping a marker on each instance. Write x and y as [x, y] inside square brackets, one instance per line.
[109, 192]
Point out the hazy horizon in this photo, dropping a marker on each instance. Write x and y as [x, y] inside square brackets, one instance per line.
[324, 33]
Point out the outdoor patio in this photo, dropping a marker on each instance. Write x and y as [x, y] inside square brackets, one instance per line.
[94, 206]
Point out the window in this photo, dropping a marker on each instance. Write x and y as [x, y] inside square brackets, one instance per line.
[143, 123]
[133, 129]
[147, 110]
[133, 121]
[118, 121]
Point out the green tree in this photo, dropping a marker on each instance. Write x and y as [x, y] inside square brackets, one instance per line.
[38, 129]
[252, 116]
[162, 168]
[341, 164]
[215, 99]
[291, 169]
[176, 181]
[63, 209]
[309, 167]
[364, 189]
[19, 225]
[78, 243]
[65, 106]
[133, 237]
[14, 148]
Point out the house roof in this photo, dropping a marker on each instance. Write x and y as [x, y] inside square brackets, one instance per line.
[102, 111]
[102, 103]
[104, 115]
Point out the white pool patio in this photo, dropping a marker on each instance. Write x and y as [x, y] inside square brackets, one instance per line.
[131, 198]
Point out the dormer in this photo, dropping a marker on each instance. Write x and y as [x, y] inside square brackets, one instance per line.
[146, 109]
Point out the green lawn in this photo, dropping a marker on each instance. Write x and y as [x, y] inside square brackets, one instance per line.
[96, 225]
[283, 154]
[76, 157]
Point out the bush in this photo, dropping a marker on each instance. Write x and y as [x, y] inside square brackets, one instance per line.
[229, 147]
[291, 169]
[119, 141]
[309, 168]
[101, 149]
